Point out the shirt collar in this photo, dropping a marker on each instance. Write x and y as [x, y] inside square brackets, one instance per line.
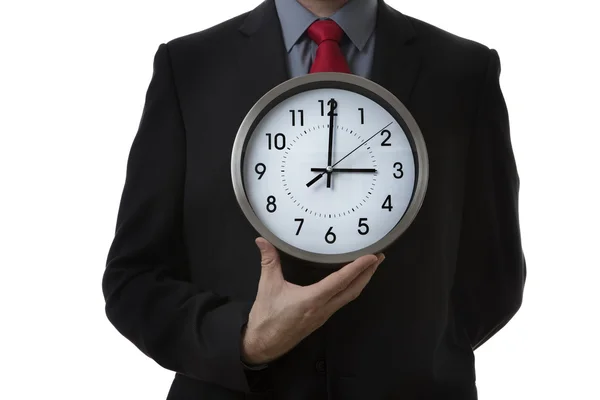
[356, 18]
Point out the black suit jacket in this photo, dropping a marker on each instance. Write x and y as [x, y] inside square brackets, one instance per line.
[183, 269]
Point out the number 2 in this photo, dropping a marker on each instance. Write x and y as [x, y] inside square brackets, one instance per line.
[385, 141]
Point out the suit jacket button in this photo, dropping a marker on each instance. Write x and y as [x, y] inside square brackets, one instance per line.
[320, 366]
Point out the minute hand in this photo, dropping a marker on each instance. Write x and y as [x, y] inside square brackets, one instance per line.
[316, 178]
[330, 147]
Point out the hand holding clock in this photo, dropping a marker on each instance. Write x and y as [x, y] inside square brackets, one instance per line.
[283, 313]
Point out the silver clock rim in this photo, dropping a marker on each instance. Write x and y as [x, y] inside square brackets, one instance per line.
[354, 80]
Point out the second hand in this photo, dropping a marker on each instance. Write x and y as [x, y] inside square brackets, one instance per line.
[316, 178]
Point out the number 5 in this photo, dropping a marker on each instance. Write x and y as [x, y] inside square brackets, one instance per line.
[361, 224]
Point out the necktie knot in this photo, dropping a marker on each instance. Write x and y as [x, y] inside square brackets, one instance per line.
[328, 58]
[326, 29]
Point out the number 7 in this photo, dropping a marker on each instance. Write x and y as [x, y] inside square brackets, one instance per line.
[301, 220]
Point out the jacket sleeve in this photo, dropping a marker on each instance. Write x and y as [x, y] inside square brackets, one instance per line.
[149, 297]
[491, 269]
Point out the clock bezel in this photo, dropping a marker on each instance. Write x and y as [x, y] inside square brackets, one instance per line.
[343, 81]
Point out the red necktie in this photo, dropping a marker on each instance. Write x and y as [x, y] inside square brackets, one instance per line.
[329, 58]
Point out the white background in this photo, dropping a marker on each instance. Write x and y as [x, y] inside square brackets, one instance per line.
[72, 83]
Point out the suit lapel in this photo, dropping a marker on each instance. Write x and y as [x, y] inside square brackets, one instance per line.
[264, 63]
[396, 60]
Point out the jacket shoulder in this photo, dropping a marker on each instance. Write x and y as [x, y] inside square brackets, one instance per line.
[439, 37]
[215, 36]
[450, 53]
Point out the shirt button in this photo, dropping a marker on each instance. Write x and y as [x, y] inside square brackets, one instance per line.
[320, 366]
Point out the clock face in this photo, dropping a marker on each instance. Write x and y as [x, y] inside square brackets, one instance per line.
[328, 171]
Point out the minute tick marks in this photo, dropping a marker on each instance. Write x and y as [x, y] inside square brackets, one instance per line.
[302, 159]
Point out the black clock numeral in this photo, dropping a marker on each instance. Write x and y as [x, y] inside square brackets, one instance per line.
[333, 107]
[260, 169]
[398, 168]
[279, 141]
[362, 224]
[387, 203]
[362, 115]
[301, 220]
[330, 236]
[385, 141]
[301, 112]
[271, 206]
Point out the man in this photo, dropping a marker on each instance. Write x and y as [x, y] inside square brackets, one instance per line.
[184, 281]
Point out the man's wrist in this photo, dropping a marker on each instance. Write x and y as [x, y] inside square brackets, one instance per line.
[254, 367]
[250, 356]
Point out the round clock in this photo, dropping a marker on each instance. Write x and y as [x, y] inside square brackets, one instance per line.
[329, 167]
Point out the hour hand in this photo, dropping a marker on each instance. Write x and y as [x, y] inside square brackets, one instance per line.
[330, 170]
[344, 170]
[315, 179]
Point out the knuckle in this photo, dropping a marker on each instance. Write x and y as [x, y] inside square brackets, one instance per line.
[311, 309]
[268, 261]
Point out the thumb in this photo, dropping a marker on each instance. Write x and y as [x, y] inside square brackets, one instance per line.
[269, 257]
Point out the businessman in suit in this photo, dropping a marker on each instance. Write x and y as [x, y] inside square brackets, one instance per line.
[185, 282]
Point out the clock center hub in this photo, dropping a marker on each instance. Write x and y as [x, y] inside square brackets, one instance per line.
[351, 180]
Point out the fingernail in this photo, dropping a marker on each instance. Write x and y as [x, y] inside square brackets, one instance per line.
[260, 244]
[380, 258]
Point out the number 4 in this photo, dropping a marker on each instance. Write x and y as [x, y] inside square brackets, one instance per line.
[387, 203]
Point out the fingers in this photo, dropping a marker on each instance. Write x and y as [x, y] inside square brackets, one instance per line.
[269, 259]
[339, 280]
[354, 289]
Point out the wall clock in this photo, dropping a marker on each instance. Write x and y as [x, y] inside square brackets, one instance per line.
[329, 167]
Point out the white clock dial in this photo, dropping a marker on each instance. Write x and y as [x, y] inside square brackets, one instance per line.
[329, 167]
[372, 179]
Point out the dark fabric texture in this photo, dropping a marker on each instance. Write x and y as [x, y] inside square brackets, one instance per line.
[182, 270]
